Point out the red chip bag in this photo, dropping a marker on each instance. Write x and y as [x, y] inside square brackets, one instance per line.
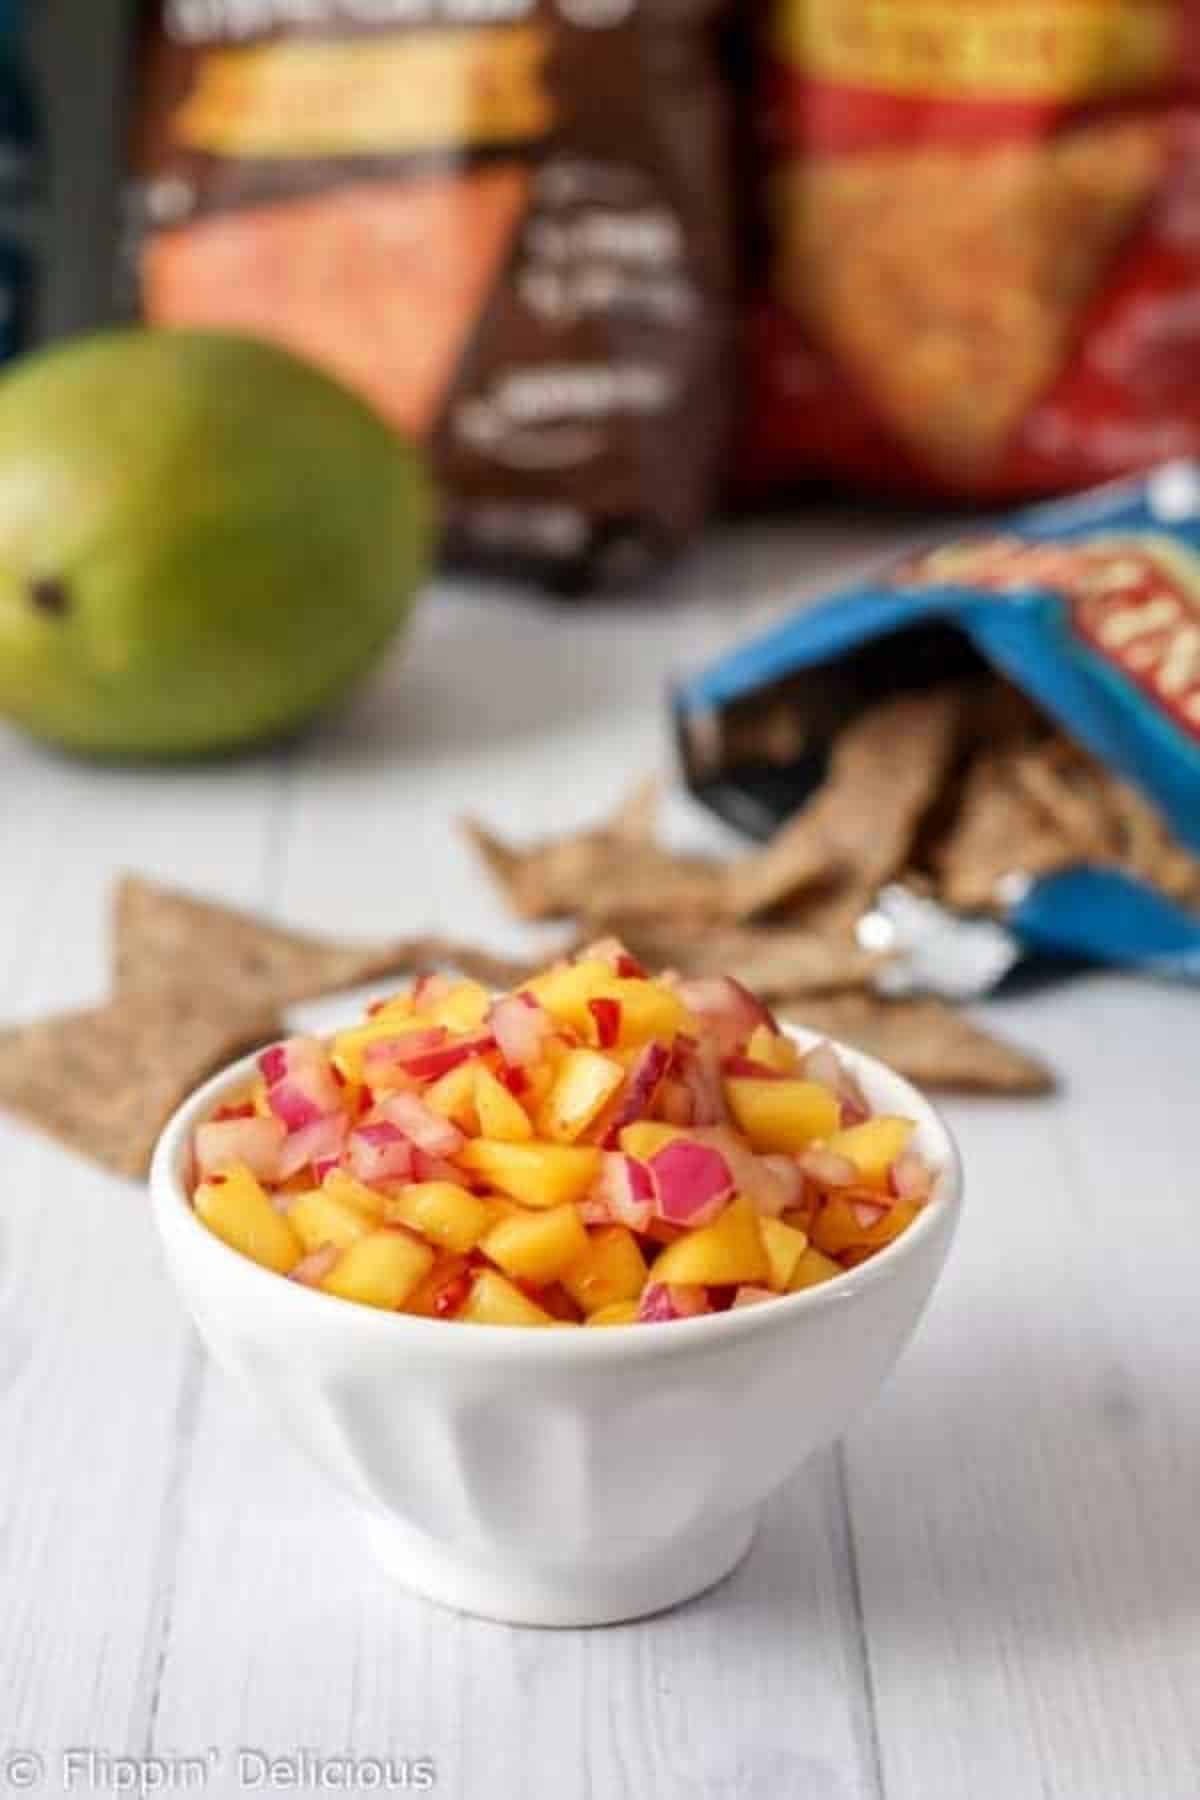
[983, 220]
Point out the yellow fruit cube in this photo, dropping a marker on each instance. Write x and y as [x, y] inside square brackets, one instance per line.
[443, 1212]
[540, 1175]
[610, 1269]
[838, 1228]
[784, 1246]
[344, 1188]
[813, 1268]
[647, 1008]
[495, 1301]
[381, 1269]
[621, 1312]
[583, 1085]
[464, 1008]
[452, 1096]
[772, 1050]
[537, 1246]
[646, 1136]
[873, 1146]
[319, 1218]
[501, 1115]
[782, 1115]
[723, 1254]
[236, 1209]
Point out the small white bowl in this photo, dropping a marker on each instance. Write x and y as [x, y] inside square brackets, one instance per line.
[560, 1477]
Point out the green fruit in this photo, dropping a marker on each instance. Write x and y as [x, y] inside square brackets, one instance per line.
[202, 542]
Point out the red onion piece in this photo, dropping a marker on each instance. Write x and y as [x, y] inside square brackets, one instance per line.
[375, 1152]
[429, 990]
[521, 1028]
[692, 1182]
[700, 1072]
[637, 1096]
[322, 1140]
[827, 1168]
[750, 1295]
[428, 1130]
[623, 1191]
[729, 1011]
[869, 1212]
[661, 1302]
[312, 1269]
[257, 1142]
[910, 1177]
[750, 1067]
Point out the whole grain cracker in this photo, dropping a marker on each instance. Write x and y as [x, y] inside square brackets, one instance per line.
[772, 961]
[104, 1082]
[931, 1043]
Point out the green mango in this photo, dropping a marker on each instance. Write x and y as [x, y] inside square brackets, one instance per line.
[203, 542]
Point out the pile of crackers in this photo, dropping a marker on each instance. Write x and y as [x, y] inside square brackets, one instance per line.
[953, 791]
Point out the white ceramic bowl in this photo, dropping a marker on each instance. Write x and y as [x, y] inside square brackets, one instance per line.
[559, 1477]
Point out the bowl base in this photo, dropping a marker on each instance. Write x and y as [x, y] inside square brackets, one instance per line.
[561, 1595]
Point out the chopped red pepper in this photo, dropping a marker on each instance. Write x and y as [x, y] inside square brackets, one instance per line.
[607, 1014]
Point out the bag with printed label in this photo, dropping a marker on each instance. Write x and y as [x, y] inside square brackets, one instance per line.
[983, 267]
[502, 221]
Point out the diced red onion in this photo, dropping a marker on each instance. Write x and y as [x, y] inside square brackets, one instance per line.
[786, 1171]
[692, 1182]
[750, 1295]
[637, 1095]
[425, 1061]
[674, 1103]
[607, 1014]
[661, 1302]
[300, 1084]
[273, 1063]
[700, 1071]
[320, 1141]
[312, 1269]
[868, 1212]
[435, 1168]
[521, 1028]
[827, 1168]
[730, 1012]
[910, 1177]
[375, 1152]
[623, 1191]
[751, 1068]
[429, 990]
[428, 1130]
[257, 1142]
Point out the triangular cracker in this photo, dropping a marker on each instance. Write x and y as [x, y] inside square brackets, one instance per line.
[926, 1040]
[105, 1082]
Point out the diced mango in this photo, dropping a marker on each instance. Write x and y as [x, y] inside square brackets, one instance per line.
[772, 1049]
[464, 1008]
[611, 1268]
[540, 1175]
[381, 1269]
[621, 1312]
[723, 1254]
[452, 1096]
[583, 1085]
[501, 1116]
[443, 1212]
[350, 1047]
[537, 1246]
[647, 1008]
[782, 1115]
[495, 1301]
[646, 1136]
[836, 1227]
[813, 1268]
[784, 1246]
[319, 1218]
[343, 1187]
[873, 1146]
[236, 1209]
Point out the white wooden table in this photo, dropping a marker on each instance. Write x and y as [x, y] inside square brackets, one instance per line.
[991, 1592]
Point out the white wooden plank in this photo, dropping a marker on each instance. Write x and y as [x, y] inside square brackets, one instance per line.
[1023, 1500]
[93, 1348]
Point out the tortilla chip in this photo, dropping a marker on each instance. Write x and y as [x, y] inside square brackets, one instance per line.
[999, 830]
[378, 282]
[885, 772]
[105, 1082]
[159, 932]
[950, 280]
[926, 1040]
[1145, 846]
[773, 962]
[611, 868]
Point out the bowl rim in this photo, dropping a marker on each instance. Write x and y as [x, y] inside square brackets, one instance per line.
[172, 1208]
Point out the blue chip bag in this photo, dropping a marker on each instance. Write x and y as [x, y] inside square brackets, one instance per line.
[1090, 607]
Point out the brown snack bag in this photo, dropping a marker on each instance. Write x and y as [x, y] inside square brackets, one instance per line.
[506, 226]
[104, 1082]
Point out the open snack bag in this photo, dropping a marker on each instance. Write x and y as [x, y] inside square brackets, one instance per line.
[1004, 728]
